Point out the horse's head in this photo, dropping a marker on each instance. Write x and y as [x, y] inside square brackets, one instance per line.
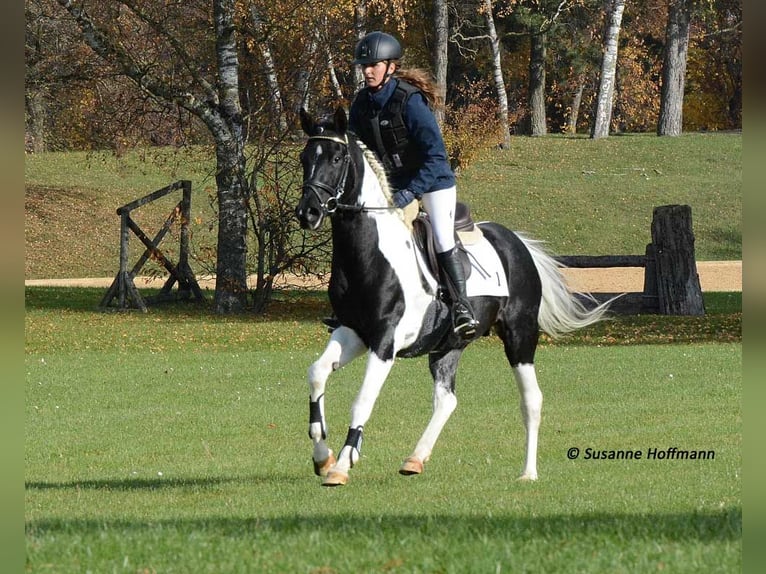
[326, 161]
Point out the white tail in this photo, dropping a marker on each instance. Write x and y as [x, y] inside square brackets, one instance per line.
[561, 311]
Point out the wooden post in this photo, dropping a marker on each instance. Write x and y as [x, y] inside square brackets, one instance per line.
[678, 285]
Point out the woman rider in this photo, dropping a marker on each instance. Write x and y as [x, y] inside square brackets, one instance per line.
[392, 117]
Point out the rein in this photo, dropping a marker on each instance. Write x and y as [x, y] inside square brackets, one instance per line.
[333, 204]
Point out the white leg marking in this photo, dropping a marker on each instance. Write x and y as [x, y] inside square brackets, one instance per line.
[361, 410]
[344, 346]
[531, 407]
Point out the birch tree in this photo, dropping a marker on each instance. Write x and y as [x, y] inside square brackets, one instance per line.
[497, 67]
[605, 100]
[441, 40]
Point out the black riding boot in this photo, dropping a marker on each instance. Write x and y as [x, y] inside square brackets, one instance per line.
[463, 321]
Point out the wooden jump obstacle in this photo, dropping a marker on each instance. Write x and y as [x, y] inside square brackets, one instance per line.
[671, 281]
[123, 293]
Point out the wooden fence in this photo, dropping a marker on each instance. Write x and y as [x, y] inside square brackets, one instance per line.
[671, 281]
[123, 293]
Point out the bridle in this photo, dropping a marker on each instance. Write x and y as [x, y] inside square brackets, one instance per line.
[333, 204]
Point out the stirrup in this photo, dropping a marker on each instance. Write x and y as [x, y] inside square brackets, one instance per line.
[463, 322]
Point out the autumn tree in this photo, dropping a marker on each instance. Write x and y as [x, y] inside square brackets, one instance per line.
[614, 10]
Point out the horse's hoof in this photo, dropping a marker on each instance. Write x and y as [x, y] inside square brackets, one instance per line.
[411, 465]
[323, 467]
[527, 477]
[335, 478]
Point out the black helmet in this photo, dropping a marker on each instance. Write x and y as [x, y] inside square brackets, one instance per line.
[376, 47]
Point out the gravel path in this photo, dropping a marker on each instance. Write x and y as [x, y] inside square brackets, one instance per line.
[714, 276]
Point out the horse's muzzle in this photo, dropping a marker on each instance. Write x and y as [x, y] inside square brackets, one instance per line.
[309, 216]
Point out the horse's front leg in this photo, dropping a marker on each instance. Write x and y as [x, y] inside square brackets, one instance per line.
[374, 377]
[344, 346]
[443, 368]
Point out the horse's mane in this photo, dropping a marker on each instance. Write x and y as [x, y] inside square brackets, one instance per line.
[408, 214]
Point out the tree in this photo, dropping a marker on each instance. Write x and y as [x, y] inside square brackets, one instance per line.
[441, 40]
[674, 68]
[500, 90]
[213, 99]
[614, 10]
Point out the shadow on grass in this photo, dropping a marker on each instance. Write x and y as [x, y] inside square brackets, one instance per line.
[298, 305]
[724, 525]
[137, 484]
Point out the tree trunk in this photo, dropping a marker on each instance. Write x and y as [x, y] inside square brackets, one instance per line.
[502, 95]
[269, 69]
[360, 29]
[574, 113]
[231, 269]
[537, 123]
[441, 36]
[678, 284]
[605, 99]
[36, 133]
[674, 69]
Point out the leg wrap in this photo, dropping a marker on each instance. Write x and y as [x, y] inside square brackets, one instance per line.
[317, 416]
[354, 440]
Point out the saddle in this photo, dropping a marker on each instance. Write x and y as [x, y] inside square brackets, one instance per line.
[466, 233]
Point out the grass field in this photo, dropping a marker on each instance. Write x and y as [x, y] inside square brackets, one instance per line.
[175, 441]
[582, 197]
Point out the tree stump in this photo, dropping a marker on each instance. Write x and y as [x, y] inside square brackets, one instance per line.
[678, 285]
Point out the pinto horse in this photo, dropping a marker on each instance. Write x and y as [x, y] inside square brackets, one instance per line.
[388, 305]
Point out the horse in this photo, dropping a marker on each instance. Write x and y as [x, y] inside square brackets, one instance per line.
[388, 305]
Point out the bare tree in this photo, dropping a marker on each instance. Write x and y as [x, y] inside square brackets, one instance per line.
[269, 66]
[214, 99]
[614, 10]
[674, 68]
[497, 68]
[441, 40]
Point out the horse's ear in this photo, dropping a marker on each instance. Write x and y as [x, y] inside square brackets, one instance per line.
[341, 120]
[307, 122]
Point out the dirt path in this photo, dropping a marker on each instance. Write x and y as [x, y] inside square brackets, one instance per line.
[714, 276]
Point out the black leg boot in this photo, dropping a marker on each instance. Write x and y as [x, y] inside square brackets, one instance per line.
[463, 320]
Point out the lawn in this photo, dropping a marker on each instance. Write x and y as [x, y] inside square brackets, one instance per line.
[175, 441]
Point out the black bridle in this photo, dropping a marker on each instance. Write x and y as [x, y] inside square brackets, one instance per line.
[333, 203]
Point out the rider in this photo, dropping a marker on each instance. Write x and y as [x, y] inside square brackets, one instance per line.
[392, 116]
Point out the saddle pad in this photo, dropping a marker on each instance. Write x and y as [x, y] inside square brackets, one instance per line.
[487, 273]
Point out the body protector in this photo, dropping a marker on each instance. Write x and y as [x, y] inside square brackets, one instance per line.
[385, 132]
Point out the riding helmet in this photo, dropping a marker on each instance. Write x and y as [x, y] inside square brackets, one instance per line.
[376, 47]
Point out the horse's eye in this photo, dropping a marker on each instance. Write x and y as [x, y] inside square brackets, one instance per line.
[337, 159]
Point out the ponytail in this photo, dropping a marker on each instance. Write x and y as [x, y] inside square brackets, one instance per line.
[423, 81]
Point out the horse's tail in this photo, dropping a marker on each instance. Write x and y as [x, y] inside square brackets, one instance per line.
[561, 311]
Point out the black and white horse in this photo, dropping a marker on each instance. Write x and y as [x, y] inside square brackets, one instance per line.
[388, 305]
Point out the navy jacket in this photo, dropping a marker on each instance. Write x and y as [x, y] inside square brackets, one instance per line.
[434, 172]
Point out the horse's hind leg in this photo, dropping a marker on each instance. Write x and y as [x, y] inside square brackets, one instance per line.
[344, 346]
[520, 343]
[531, 408]
[443, 368]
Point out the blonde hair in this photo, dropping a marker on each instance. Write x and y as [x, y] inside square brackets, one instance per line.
[423, 81]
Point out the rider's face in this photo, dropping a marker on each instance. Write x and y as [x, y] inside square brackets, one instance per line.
[375, 74]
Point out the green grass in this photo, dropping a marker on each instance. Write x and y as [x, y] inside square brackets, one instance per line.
[582, 197]
[175, 441]
[595, 197]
